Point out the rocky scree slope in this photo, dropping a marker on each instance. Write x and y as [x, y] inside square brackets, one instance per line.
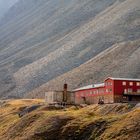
[41, 41]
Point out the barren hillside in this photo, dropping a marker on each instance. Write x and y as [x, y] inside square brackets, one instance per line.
[47, 42]
[120, 60]
[100, 122]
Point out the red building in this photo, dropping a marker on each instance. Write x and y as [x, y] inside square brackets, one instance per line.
[111, 91]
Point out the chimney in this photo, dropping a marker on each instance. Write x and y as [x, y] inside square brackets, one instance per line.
[65, 87]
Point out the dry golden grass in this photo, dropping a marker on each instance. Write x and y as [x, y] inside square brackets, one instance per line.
[100, 122]
[9, 110]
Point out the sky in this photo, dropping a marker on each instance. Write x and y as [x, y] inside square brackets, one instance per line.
[5, 5]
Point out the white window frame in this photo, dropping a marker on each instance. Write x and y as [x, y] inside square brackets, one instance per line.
[130, 83]
[124, 83]
[107, 90]
[138, 83]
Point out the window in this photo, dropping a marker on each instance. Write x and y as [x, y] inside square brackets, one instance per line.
[125, 91]
[124, 83]
[138, 90]
[110, 90]
[138, 84]
[131, 83]
[108, 83]
[130, 90]
[106, 90]
[101, 91]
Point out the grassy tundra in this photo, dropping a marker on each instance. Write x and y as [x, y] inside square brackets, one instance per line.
[100, 122]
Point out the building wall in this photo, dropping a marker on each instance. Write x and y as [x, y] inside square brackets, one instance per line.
[48, 97]
[93, 95]
[109, 87]
[120, 89]
[133, 98]
[57, 96]
[70, 97]
[53, 96]
[113, 91]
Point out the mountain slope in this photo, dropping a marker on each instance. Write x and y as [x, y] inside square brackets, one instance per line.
[120, 60]
[5, 5]
[41, 40]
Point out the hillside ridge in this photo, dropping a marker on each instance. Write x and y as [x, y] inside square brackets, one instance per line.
[90, 122]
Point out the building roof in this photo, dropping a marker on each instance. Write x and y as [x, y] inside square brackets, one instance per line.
[99, 85]
[85, 87]
[127, 79]
[90, 86]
